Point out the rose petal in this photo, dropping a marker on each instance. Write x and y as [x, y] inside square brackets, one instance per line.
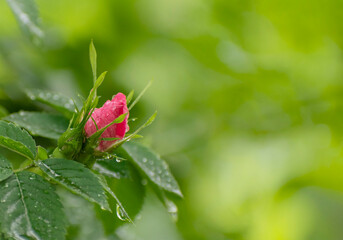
[107, 114]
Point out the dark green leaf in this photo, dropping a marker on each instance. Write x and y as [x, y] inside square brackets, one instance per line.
[112, 168]
[76, 178]
[40, 124]
[5, 168]
[30, 208]
[155, 168]
[120, 206]
[83, 223]
[57, 101]
[27, 15]
[17, 140]
[131, 192]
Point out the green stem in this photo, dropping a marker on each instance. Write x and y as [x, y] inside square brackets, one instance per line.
[23, 168]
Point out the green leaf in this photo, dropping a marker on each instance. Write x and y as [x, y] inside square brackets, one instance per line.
[92, 57]
[155, 168]
[89, 104]
[139, 96]
[129, 97]
[27, 15]
[119, 204]
[57, 101]
[5, 168]
[30, 208]
[3, 112]
[42, 153]
[131, 192]
[17, 140]
[99, 81]
[112, 168]
[76, 178]
[40, 124]
[130, 136]
[83, 223]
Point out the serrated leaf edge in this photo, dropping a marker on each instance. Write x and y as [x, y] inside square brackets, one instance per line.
[78, 192]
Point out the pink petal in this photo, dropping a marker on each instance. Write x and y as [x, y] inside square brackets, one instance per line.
[107, 114]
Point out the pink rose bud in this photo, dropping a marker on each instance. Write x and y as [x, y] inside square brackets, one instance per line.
[104, 116]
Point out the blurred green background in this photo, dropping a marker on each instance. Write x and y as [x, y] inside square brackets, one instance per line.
[249, 97]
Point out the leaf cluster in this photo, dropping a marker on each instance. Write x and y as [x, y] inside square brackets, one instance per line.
[30, 206]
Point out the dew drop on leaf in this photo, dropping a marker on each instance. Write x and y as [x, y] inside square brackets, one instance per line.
[120, 214]
[144, 182]
[172, 209]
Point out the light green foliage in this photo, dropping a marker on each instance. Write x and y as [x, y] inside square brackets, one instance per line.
[30, 208]
[129, 97]
[92, 58]
[249, 97]
[26, 13]
[5, 168]
[40, 124]
[42, 153]
[76, 178]
[152, 165]
[17, 140]
[138, 97]
[3, 112]
[57, 101]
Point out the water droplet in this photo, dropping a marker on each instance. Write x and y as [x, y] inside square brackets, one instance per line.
[120, 214]
[118, 159]
[145, 160]
[144, 182]
[67, 105]
[172, 209]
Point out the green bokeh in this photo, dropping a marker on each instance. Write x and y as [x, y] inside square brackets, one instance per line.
[249, 97]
